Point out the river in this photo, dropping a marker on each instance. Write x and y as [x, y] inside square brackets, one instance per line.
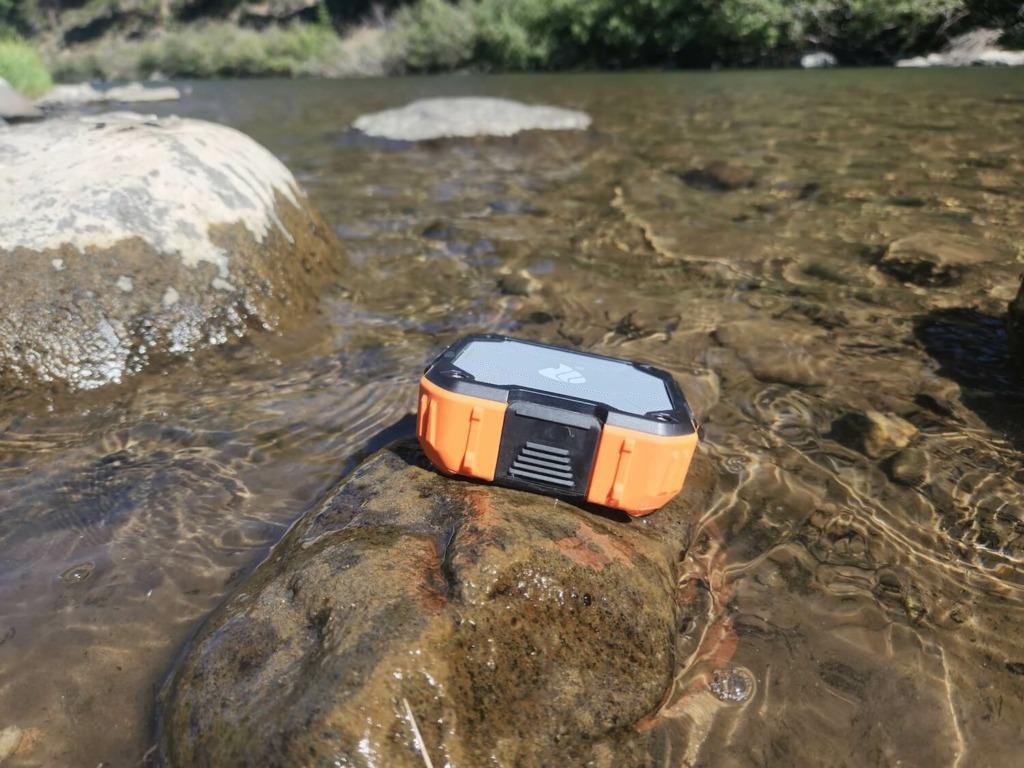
[864, 549]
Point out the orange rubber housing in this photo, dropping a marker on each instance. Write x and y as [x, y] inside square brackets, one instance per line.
[637, 472]
[460, 434]
[632, 471]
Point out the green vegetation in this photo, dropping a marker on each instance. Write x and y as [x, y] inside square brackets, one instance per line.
[222, 38]
[556, 34]
[10, 17]
[22, 67]
[208, 50]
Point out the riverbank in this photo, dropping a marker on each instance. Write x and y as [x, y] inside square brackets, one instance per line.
[108, 40]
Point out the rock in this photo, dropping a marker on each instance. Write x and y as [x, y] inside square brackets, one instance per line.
[962, 50]
[138, 93]
[84, 93]
[975, 48]
[14, 106]
[1015, 327]
[780, 351]
[720, 177]
[123, 236]
[10, 740]
[931, 259]
[818, 59]
[996, 57]
[520, 283]
[71, 95]
[874, 434]
[465, 117]
[931, 60]
[509, 628]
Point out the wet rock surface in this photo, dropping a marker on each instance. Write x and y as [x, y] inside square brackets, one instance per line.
[465, 117]
[123, 237]
[509, 628]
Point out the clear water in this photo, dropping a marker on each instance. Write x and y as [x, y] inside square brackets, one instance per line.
[856, 590]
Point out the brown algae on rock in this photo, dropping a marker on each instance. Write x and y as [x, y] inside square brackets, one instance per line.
[516, 628]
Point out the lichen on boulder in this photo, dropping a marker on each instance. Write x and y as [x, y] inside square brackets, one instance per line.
[507, 628]
[124, 236]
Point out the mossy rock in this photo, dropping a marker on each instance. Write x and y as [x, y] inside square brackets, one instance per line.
[509, 628]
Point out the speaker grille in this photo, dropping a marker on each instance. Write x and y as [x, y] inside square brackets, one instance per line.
[543, 464]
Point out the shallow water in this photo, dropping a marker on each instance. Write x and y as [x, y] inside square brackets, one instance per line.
[856, 588]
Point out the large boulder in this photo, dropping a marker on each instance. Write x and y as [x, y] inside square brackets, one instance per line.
[410, 613]
[466, 117]
[124, 236]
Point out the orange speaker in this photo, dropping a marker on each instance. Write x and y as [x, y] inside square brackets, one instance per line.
[556, 421]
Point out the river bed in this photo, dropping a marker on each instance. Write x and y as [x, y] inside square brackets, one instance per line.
[858, 579]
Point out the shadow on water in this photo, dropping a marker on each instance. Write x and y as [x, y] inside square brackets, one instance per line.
[973, 349]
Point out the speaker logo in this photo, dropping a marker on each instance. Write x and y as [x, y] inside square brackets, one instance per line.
[563, 373]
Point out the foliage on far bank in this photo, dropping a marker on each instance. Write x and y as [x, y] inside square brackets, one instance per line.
[114, 39]
[437, 35]
[23, 68]
[218, 49]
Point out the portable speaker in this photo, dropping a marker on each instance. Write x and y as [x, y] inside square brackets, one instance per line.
[556, 421]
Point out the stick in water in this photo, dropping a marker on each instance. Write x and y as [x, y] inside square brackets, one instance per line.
[419, 737]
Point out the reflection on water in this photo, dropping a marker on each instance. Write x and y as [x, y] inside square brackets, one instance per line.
[854, 594]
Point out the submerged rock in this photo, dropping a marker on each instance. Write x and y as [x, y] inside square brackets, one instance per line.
[123, 236]
[720, 177]
[466, 117]
[875, 434]
[507, 628]
[14, 106]
[10, 740]
[933, 259]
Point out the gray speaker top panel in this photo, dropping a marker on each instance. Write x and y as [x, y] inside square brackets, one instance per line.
[615, 383]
